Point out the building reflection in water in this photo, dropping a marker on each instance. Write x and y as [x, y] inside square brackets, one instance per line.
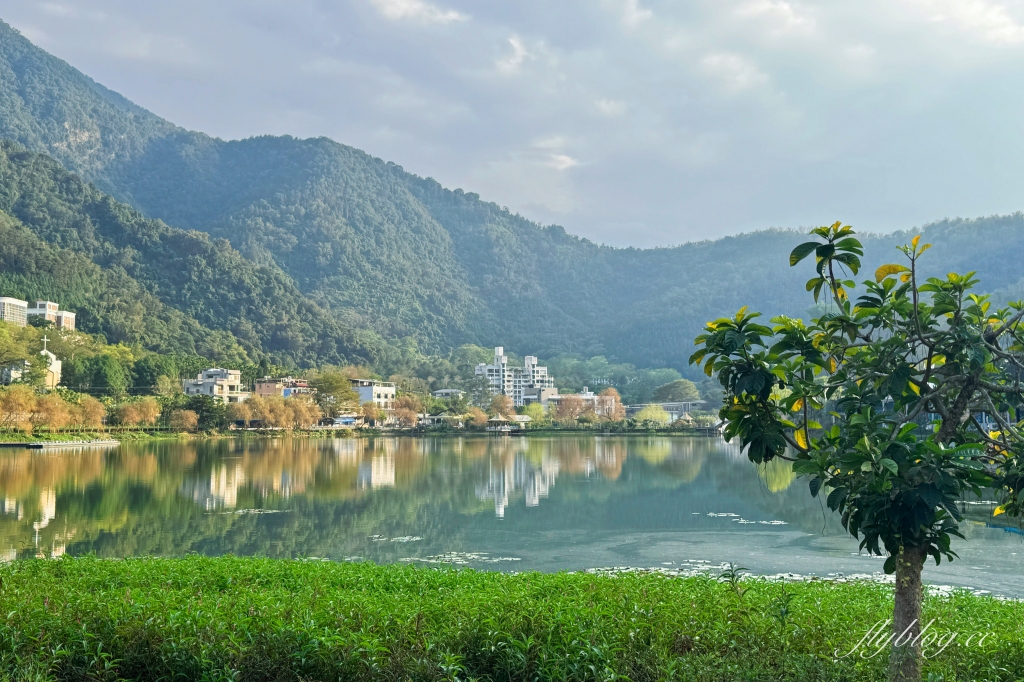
[531, 467]
[53, 500]
[512, 473]
[220, 489]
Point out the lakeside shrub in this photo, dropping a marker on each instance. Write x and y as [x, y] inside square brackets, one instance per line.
[22, 408]
[185, 421]
[260, 619]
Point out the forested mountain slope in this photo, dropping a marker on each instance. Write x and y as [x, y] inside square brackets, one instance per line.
[364, 242]
[202, 277]
[105, 300]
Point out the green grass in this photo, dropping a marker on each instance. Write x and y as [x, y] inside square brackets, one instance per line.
[258, 619]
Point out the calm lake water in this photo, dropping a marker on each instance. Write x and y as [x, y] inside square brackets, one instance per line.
[488, 502]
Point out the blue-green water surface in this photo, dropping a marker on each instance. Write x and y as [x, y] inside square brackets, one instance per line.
[505, 503]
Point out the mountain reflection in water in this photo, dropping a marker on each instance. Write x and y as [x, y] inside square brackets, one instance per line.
[522, 503]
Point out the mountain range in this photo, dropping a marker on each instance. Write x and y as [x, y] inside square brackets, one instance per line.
[310, 251]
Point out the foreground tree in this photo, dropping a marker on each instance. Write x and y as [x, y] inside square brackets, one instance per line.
[912, 376]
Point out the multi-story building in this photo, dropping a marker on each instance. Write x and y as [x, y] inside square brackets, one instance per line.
[14, 310]
[224, 385]
[601, 405]
[380, 393]
[285, 387]
[48, 310]
[515, 382]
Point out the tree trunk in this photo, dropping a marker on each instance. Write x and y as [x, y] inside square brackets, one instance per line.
[905, 657]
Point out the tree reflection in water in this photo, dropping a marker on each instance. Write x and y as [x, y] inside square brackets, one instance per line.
[352, 497]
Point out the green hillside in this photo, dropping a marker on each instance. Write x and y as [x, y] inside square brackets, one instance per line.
[356, 242]
[106, 301]
[202, 277]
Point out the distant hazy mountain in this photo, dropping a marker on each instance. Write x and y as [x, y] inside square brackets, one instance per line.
[370, 247]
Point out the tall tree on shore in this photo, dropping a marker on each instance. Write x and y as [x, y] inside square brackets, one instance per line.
[923, 384]
[682, 390]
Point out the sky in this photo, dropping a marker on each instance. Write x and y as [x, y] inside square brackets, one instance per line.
[630, 122]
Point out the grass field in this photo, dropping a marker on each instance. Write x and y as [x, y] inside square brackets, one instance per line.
[229, 618]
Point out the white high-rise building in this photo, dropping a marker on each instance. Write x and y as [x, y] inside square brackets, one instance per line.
[14, 310]
[514, 381]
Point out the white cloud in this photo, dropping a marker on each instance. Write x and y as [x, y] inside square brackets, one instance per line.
[991, 21]
[733, 71]
[562, 161]
[610, 107]
[520, 54]
[633, 14]
[782, 14]
[670, 120]
[419, 10]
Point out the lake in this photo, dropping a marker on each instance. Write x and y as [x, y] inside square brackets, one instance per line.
[499, 503]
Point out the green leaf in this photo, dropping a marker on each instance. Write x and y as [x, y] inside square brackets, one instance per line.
[815, 485]
[851, 245]
[801, 252]
[890, 465]
[890, 564]
[849, 260]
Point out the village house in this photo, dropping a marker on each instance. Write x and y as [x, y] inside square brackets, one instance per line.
[445, 393]
[601, 405]
[380, 393]
[285, 387]
[224, 385]
[676, 410]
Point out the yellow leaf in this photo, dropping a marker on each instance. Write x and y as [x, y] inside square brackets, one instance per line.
[798, 405]
[915, 240]
[914, 388]
[995, 434]
[1001, 509]
[905, 277]
[890, 269]
[923, 249]
[801, 438]
[832, 365]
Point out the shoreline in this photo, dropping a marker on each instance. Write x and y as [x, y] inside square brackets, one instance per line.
[12, 440]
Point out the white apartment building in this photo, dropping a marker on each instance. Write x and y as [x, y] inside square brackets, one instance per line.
[515, 382]
[224, 385]
[14, 310]
[62, 319]
[380, 393]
